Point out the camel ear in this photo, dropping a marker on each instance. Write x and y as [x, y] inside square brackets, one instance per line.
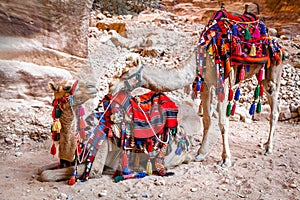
[53, 87]
[74, 87]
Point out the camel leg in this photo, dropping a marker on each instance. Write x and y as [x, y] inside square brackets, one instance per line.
[99, 162]
[272, 94]
[60, 174]
[205, 101]
[272, 85]
[51, 166]
[224, 127]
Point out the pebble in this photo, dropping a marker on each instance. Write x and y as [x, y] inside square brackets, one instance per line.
[18, 154]
[103, 193]
[194, 189]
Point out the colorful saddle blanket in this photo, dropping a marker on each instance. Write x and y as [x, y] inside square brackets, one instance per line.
[237, 40]
[151, 112]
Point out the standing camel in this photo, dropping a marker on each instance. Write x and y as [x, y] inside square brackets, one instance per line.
[233, 73]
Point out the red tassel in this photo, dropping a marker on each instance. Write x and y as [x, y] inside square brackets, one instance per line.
[233, 109]
[82, 134]
[202, 87]
[230, 95]
[81, 111]
[242, 74]
[124, 160]
[149, 145]
[262, 89]
[260, 74]
[221, 96]
[53, 113]
[82, 124]
[72, 180]
[53, 150]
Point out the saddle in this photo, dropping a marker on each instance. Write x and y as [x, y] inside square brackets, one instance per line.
[240, 41]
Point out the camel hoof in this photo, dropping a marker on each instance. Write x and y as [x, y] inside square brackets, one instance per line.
[225, 164]
[268, 150]
[188, 158]
[199, 158]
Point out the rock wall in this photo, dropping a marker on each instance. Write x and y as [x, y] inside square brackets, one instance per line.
[40, 41]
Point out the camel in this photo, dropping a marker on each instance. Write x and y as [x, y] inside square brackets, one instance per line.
[108, 153]
[155, 79]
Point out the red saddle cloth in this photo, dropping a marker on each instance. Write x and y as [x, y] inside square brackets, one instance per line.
[153, 113]
[245, 36]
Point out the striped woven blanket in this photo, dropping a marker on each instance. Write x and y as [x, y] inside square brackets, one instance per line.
[151, 112]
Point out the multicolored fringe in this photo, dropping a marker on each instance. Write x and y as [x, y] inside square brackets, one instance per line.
[235, 40]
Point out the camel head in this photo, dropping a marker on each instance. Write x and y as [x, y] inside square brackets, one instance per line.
[126, 76]
[81, 91]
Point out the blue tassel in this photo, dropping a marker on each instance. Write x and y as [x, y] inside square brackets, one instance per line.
[263, 30]
[248, 68]
[140, 175]
[237, 94]
[252, 109]
[126, 171]
[234, 30]
[178, 150]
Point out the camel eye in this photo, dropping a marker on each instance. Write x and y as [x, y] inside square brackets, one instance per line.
[67, 88]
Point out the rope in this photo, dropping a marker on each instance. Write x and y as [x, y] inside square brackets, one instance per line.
[152, 127]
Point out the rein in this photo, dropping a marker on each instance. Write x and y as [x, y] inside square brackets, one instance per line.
[138, 77]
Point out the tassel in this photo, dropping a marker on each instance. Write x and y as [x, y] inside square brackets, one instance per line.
[263, 30]
[256, 92]
[58, 113]
[237, 49]
[82, 134]
[178, 150]
[258, 108]
[234, 30]
[233, 109]
[198, 85]
[252, 109]
[149, 145]
[56, 126]
[256, 33]
[72, 180]
[149, 167]
[252, 50]
[82, 123]
[81, 111]
[237, 94]
[202, 87]
[53, 149]
[260, 75]
[140, 175]
[119, 178]
[228, 110]
[230, 95]
[247, 68]
[221, 96]
[262, 89]
[124, 160]
[55, 136]
[126, 171]
[242, 74]
[247, 34]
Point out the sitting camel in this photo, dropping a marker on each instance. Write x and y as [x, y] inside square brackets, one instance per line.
[216, 71]
[108, 153]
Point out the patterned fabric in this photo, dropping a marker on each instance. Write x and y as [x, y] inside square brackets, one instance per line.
[234, 40]
[154, 108]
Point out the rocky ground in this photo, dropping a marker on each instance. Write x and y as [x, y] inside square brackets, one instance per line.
[164, 40]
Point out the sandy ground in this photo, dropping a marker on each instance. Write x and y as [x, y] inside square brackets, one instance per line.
[252, 176]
